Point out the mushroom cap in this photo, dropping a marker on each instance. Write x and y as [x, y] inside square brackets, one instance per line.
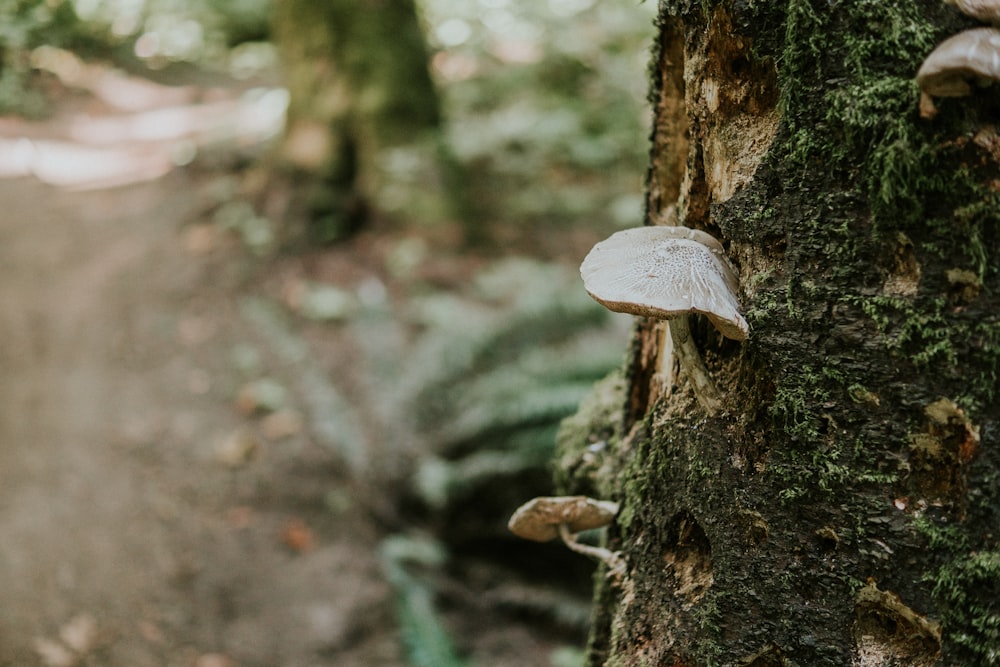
[539, 518]
[984, 10]
[664, 272]
[970, 56]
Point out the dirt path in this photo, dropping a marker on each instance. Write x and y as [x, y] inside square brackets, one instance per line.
[127, 539]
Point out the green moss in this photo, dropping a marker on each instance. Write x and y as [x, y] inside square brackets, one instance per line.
[817, 459]
[869, 107]
[852, 132]
[870, 49]
[798, 394]
[922, 334]
[709, 619]
[825, 472]
[949, 537]
[971, 223]
[968, 588]
[804, 33]
[587, 440]
[929, 334]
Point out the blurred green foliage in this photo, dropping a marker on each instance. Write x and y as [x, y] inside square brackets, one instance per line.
[24, 25]
[496, 370]
[544, 99]
[158, 32]
[478, 396]
[201, 31]
[545, 105]
[425, 640]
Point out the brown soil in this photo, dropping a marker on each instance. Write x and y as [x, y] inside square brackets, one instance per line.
[118, 504]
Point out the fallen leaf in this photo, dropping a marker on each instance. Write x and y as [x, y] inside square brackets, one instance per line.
[80, 633]
[264, 395]
[297, 536]
[54, 654]
[281, 424]
[237, 448]
[151, 632]
[214, 660]
[240, 516]
[201, 239]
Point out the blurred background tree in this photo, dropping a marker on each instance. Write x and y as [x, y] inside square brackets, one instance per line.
[358, 81]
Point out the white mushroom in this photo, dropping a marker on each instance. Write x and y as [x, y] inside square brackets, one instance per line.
[972, 56]
[543, 519]
[668, 273]
[987, 11]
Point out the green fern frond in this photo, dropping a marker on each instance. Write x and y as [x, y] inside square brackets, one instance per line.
[533, 406]
[464, 352]
[425, 639]
[493, 373]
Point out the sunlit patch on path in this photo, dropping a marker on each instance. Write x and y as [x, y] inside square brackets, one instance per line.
[140, 131]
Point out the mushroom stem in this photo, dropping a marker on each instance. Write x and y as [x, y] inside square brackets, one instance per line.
[927, 108]
[684, 347]
[613, 559]
[664, 359]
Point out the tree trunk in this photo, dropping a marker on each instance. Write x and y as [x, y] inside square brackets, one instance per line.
[359, 85]
[843, 508]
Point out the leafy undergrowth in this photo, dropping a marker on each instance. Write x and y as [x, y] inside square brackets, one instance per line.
[441, 378]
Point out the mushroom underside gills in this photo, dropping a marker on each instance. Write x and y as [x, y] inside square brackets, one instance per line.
[667, 273]
[704, 388]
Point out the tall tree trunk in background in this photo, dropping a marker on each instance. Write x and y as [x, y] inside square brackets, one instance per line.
[843, 508]
[359, 85]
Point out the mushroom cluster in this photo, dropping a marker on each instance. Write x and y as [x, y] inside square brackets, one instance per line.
[662, 272]
[669, 273]
[546, 518]
[970, 57]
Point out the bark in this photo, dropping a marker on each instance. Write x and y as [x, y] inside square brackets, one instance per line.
[843, 507]
[357, 73]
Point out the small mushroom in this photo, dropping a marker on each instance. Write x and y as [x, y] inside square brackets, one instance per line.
[543, 519]
[987, 11]
[668, 273]
[971, 56]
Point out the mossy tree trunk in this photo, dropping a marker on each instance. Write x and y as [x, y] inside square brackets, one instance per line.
[844, 506]
[357, 73]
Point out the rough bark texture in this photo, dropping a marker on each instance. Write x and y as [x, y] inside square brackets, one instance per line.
[844, 507]
[359, 84]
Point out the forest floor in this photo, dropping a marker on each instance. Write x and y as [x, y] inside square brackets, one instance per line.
[149, 514]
